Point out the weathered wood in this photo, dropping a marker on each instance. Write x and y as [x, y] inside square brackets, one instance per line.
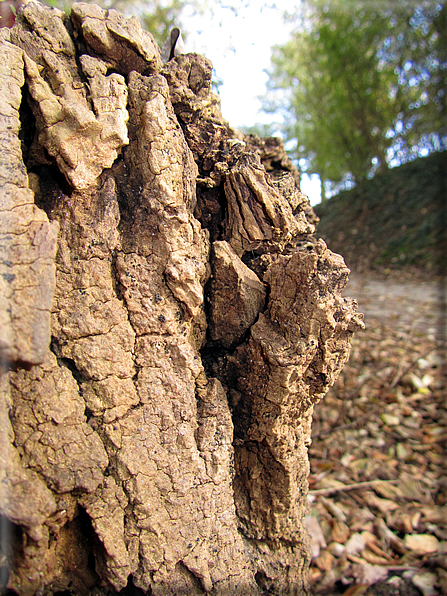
[160, 438]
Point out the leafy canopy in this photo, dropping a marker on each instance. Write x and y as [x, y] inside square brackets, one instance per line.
[361, 84]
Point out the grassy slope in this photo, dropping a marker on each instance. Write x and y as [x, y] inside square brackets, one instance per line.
[395, 221]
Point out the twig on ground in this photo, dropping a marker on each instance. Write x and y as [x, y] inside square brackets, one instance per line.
[336, 489]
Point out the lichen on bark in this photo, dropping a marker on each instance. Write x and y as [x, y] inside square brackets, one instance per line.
[168, 322]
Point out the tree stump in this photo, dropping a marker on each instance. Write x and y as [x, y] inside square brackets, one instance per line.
[167, 323]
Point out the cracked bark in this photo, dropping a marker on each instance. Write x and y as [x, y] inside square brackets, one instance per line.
[167, 320]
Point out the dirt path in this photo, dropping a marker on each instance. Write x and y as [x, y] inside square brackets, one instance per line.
[420, 306]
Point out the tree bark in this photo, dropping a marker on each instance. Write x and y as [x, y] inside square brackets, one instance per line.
[167, 320]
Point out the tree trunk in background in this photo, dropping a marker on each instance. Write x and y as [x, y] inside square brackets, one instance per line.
[167, 322]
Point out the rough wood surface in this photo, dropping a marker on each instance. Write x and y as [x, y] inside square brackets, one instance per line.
[168, 322]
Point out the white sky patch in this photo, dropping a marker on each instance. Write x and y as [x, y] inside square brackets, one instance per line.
[311, 186]
[239, 46]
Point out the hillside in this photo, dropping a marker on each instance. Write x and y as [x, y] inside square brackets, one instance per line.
[396, 221]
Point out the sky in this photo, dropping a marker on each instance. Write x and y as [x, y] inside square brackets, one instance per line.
[240, 45]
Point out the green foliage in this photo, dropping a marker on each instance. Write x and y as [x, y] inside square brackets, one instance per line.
[360, 84]
[160, 19]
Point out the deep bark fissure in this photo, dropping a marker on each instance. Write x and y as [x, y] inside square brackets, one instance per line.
[27, 124]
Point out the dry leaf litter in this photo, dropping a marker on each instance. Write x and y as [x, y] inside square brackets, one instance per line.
[378, 489]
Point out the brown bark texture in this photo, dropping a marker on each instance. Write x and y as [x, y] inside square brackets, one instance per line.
[167, 323]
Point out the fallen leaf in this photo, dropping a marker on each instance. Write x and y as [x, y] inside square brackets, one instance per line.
[336, 549]
[420, 384]
[427, 380]
[442, 579]
[425, 582]
[358, 560]
[340, 532]
[317, 541]
[333, 509]
[369, 538]
[314, 575]
[373, 573]
[324, 561]
[435, 438]
[361, 519]
[373, 544]
[390, 419]
[328, 580]
[403, 451]
[380, 456]
[421, 543]
[412, 489]
[374, 559]
[383, 505]
[415, 518]
[355, 544]
[388, 491]
[389, 537]
[412, 422]
[329, 482]
[357, 590]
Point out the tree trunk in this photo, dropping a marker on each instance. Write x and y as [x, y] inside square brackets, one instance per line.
[167, 322]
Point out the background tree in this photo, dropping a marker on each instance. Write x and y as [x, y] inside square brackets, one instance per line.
[360, 85]
[160, 19]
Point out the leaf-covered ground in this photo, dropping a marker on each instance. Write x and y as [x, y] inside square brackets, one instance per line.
[378, 488]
